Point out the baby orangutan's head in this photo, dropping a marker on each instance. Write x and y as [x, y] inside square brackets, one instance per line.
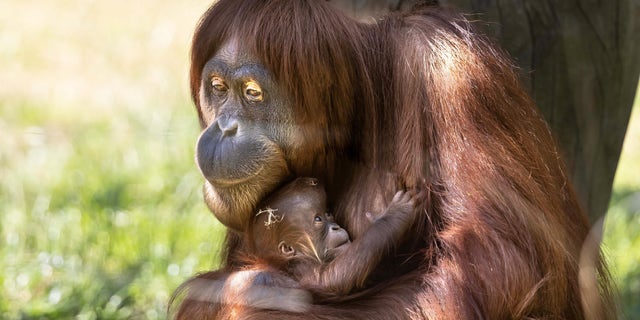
[293, 222]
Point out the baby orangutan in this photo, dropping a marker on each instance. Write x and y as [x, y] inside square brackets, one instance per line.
[298, 256]
[294, 233]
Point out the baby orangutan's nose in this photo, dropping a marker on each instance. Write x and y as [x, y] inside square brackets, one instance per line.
[311, 181]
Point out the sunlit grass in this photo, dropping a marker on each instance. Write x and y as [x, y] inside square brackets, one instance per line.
[101, 213]
[100, 205]
[103, 218]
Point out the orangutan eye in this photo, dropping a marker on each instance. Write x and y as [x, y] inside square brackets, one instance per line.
[218, 85]
[253, 92]
[317, 219]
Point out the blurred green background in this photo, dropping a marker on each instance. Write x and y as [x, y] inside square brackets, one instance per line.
[101, 215]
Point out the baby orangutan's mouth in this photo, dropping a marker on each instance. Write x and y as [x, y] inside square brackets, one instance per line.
[331, 253]
[346, 242]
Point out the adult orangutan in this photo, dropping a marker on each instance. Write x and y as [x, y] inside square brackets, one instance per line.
[418, 100]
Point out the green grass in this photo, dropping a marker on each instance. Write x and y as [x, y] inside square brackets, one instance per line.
[100, 205]
[101, 214]
[101, 218]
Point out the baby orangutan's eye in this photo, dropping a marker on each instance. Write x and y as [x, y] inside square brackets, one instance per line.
[317, 219]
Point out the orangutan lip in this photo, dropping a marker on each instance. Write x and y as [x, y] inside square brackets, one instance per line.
[346, 242]
[226, 183]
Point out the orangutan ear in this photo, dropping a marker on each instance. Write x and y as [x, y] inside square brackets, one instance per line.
[286, 250]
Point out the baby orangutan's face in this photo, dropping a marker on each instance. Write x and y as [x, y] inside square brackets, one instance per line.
[305, 221]
[331, 239]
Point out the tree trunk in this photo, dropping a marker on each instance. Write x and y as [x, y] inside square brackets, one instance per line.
[580, 61]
